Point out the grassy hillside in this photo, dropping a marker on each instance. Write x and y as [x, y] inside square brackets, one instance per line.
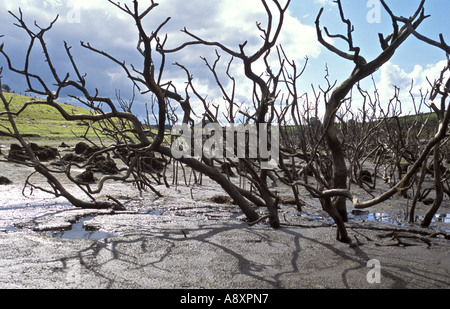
[42, 120]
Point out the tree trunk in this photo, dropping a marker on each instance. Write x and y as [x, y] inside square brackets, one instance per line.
[439, 189]
[341, 234]
[340, 174]
[221, 179]
[418, 193]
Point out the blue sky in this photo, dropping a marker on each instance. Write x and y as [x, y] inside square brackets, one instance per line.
[228, 21]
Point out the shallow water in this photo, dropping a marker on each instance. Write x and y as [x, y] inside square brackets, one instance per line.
[78, 231]
[397, 220]
[26, 212]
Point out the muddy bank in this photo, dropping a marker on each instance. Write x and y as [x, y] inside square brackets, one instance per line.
[159, 252]
[188, 239]
[176, 242]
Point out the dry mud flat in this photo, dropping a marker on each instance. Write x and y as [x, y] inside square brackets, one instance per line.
[180, 242]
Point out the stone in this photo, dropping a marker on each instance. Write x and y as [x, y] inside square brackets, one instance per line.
[366, 176]
[105, 165]
[86, 177]
[5, 181]
[46, 153]
[64, 145]
[82, 148]
[16, 153]
[70, 157]
[428, 201]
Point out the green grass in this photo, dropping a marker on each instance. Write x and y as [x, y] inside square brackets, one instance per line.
[44, 121]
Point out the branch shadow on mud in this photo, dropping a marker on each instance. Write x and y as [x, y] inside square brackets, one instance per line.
[159, 253]
[398, 268]
[229, 255]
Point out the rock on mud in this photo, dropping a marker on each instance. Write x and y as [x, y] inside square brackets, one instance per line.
[5, 181]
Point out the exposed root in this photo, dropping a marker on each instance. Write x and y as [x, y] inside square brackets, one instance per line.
[258, 220]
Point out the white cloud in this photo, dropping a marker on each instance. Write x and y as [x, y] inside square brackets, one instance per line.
[329, 4]
[229, 21]
[299, 40]
[325, 2]
[392, 75]
[233, 22]
[106, 27]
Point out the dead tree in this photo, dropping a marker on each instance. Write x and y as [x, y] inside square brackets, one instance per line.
[132, 140]
[335, 205]
[321, 147]
[440, 88]
[264, 95]
[334, 190]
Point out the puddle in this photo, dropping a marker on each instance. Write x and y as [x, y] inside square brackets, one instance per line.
[78, 231]
[438, 222]
[398, 220]
[444, 218]
[156, 212]
[9, 228]
[379, 217]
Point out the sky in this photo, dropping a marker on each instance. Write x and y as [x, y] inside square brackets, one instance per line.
[231, 22]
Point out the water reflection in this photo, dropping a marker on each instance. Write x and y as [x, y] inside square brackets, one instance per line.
[79, 232]
[394, 219]
[399, 220]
